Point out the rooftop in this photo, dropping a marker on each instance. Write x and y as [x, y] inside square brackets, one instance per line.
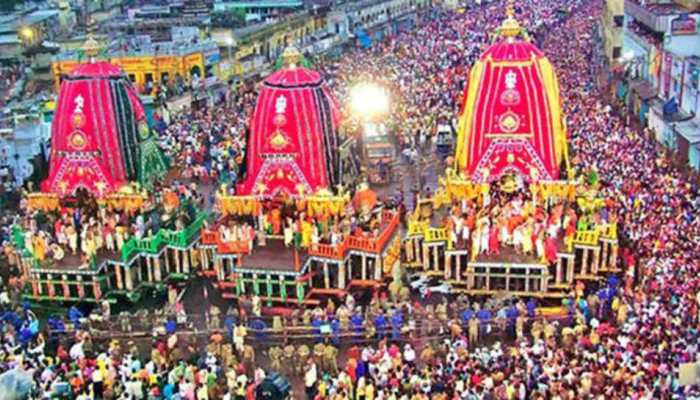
[661, 9]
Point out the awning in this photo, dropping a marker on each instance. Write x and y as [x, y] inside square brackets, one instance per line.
[645, 90]
[690, 130]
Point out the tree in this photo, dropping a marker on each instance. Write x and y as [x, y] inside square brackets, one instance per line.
[9, 5]
[238, 14]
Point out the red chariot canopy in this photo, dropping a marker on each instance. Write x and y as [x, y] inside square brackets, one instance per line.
[292, 149]
[511, 121]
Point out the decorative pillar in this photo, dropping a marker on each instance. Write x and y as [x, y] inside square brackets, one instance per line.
[268, 288]
[256, 285]
[283, 288]
[557, 279]
[341, 275]
[240, 285]
[378, 268]
[178, 267]
[570, 270]
[218, 269]
[50, 288]
[156, 270]
[604, 257]
[128, 279]
[118, 275]
[613, 256]
[350, 277]
[426, 257]
[458, 267]
[448, 266]
[80, 287]
[584, 262]
[408, 246]
[149, 268]
[167, 262]
[203, 258]
[186, 261]
[544, 283]
[507, 277]
[470, 277]
[139, 269]
[326, 277]
[527, 279]
[96, 291]
[436, 262]
[488, 279]
[364, 267]
[596, 261]
[300, 292]
[64, 286]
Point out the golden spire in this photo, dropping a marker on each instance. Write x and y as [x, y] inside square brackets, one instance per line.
[291, 57]
[91, 47]
[510, 26]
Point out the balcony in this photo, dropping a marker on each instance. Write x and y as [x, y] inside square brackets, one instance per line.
[655, 16]
[642, 37]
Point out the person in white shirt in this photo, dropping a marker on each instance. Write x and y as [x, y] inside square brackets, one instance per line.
[310, 378]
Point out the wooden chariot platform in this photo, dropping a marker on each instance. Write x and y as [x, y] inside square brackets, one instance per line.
[590, 255]
[288, 275]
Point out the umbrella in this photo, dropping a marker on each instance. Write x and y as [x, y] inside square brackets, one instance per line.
[16, 384]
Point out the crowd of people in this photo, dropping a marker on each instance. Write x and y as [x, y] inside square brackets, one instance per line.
[85, 228]
[516, 221]
[625, 343]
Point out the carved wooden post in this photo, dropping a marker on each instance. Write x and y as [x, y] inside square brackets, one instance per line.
[584, 262]
[436, 262]
[570, 270]
[378, 268]
[613, 256]
[596, 261]
[557, 279]
[127, 277]
[448, 266]
[604, 257]
[149, 269]
[341, 275]
[426, 257]
[156, 270]
[364, 267]
[326, 276]
[118, 274]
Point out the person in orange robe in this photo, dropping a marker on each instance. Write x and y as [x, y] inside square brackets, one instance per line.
[276, 221]
[494, 244]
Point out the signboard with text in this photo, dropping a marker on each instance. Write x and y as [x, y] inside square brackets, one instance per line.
[683, 25]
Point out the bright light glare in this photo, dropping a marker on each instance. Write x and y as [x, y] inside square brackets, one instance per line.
[369, 100]
[27, 33]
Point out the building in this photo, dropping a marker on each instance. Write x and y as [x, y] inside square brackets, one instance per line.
[249, 50]
[25, 30]
[148, 63]
[661, 46]
[256, 10]
[612, 22]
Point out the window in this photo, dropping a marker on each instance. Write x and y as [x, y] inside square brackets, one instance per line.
[619, 20]
[616, 52]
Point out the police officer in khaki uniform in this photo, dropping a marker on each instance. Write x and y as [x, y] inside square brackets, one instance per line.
[288, 355]
[473, 332]
[275, 354]
[330, 362]
[302, 357]
[318, 353]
